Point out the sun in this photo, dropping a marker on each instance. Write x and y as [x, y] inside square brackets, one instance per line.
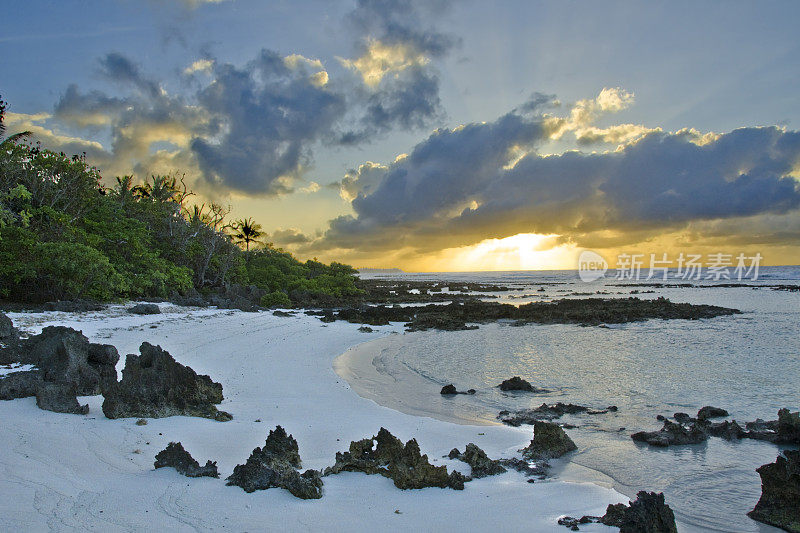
[524, 251]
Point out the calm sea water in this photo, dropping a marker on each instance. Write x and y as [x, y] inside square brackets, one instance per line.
[748, 364]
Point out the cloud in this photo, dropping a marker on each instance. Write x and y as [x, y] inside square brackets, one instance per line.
[288, 237]
[264, 118]
[311, 188]
[149, 129]
[201, 65]
[394, 50]
[462, 186]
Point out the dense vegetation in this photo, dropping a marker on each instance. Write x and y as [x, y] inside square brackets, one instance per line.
[64, 235]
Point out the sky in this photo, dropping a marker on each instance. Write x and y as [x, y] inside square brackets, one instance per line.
[435, 135]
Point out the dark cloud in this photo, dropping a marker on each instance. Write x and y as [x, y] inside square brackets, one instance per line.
[119, 68]
[265, 117]
[394, 45]
[410, 101]
[402, 22]
[458, 187]
[288, 237]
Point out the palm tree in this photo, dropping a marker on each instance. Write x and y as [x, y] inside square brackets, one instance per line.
[11, 139]
[246, 231]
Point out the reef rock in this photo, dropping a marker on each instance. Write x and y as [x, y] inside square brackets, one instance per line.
[711, 412]
[175, 456]
[672, 433]
[548, 412]
[549, 442]
[7, 329]
[779, 505]
[386, 455]
[648, 514]
[276, 464]
[60, 355]
[518, 384]
[59, 398]
[477, 459]
[20, 384]
[450, 390]
[154, 385]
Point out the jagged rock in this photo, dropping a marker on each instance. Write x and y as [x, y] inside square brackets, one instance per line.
[365, 329]
[548, 412]
[145, 309]
[725, 430]
[788, 427]
[280, 313]
[711, 412]
[682, 418]
[779, 505]
[386, 455]
[647, 514]
[60, 355]
[20, 384]
[672, 434]
[7, 329]
[275, 465]
[549, 442]
[449, 390]
[477, 459]
[175, 456]
[154, 385]
[59, 398]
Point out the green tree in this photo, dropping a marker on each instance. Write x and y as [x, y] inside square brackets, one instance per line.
[247, 231]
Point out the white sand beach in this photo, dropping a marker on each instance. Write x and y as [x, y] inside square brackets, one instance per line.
[88, 473]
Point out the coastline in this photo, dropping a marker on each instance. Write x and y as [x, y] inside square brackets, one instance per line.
[74, 472]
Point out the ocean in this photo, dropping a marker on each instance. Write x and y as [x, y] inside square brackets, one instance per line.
[748, 364]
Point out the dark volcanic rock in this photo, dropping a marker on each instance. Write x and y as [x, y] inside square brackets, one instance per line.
[7, 330]
[779, 505]
[145, 309]
[175, 456]
[66, 355]
[525, 467]
[788, 427]
[518, 384]
[386, 455]
[647, 514]
[784, 430]
[589, 311]
[60, 355]
[276, 465]
[20, 384]
[548, 412]
[477, 459]
[154, 385]
[440, 321]
[711, 412]
[59, 398]
[573, 523]
[725, 430]
[449, 390]
[549, 442]
[73, 306]
[671, 434]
